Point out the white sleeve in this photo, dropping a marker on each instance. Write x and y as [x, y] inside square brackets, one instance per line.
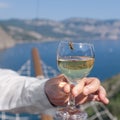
[22, 94]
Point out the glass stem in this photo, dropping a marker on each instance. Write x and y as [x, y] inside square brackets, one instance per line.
[71, 102]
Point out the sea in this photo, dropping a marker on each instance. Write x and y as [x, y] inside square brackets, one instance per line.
[107, 57]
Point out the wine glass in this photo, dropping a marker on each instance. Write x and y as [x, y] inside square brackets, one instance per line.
[75, 60]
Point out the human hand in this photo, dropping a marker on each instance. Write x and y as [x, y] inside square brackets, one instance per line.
[58, 89]
[89, 89]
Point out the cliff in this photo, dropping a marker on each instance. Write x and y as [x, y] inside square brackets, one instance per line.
[6, 40]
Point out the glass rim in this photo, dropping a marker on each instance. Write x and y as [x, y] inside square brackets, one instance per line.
[76, 42]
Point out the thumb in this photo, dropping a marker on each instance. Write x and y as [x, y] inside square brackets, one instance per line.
[62, 78]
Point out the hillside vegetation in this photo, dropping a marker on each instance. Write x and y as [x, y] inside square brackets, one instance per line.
[112, 86]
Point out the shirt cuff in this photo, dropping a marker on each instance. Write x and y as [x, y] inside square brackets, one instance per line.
[44, 99]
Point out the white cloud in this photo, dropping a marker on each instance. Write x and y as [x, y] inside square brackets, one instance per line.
[3, 5]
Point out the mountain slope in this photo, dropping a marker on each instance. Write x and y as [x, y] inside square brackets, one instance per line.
[49, 30]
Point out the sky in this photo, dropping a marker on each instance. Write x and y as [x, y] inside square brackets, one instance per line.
[60, 9]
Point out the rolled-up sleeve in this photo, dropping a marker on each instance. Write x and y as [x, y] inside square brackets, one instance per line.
[21, 93]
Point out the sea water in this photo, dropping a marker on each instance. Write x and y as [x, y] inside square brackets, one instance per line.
[107, 57]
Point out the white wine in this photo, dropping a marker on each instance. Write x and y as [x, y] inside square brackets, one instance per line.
[75, 67]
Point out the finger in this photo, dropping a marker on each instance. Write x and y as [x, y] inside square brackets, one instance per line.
[93, 97]
[67, 88]
[81, 99]
[102, 95]
[92, 85]
[78, 89]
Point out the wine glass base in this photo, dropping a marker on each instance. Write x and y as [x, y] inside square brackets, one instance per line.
[70, 114]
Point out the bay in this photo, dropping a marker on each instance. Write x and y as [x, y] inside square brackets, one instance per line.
[107, 57]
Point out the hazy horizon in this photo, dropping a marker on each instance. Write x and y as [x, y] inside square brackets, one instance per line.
[59, 10]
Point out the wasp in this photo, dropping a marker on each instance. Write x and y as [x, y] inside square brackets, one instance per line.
[71, 45]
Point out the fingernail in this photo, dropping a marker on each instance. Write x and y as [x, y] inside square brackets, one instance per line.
[75, 93]
[106, 101]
